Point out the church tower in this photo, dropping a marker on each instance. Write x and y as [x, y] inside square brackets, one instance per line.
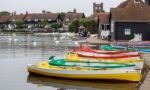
[147, 2]
[97, 8]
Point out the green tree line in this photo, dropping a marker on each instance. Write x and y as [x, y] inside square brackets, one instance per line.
[90, 25]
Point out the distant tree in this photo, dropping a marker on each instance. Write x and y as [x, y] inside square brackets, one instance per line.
[56, 26]
[62, 15]
[48, 12]
[90, 25]
[4, 13]
[19, 23]
[74, 26]
[44, 11]
[44, 23]
[71, 28]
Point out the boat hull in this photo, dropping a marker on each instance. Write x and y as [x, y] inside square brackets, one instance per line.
[107, 56]
[75, 57]
[87, 49]
[127, 75]
[120, 61]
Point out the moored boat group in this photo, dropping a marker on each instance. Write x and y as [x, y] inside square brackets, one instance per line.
[88, 63]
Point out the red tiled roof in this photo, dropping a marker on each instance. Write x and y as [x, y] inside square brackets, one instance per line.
[4, 19]
[104, 18]
[71, 16]
[17, 17]
[123, 4]
[39, 16]
[132, 12]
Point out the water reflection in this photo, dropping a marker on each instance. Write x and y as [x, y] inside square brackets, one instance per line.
[66, 84]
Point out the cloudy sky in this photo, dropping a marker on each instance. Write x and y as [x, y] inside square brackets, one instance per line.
[37, 6]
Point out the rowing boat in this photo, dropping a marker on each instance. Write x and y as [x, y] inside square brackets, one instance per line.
[117, 48]
[43, 68]
[106, 56]
[87, 49]
[74, 57]
[96, 65]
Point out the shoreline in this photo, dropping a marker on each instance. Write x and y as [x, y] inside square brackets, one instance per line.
[144, 83]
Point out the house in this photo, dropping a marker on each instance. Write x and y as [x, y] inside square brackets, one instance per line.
[129, 18]
[14, 18]
[7, 22]
[104, 25]
[29, 20]
[11, 21]
[35, 19]
[70, 17]
[4, 21]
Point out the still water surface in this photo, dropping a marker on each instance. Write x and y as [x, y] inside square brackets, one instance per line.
[18, 51]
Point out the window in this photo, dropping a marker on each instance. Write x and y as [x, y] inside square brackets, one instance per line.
[13, 20]
[127, 31]
[49, 20]
[102, 27]
[108, 27]
[67, 19]
[36, 20]
[96, 8]
[100, 8]
[136, 1]
[29, 20]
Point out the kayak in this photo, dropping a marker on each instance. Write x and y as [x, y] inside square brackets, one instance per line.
[106, 56]
[43, 68]
[75, 58]
[87, 49]
[104, 65]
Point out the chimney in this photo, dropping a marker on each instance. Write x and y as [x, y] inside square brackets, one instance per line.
[74, 10]
[26, 12]
[102, 5]
[14, 12]
[43, 11]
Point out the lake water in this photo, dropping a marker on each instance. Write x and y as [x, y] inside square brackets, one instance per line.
[18, 51]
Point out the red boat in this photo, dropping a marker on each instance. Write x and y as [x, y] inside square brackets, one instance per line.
[87, 49]
[106, 56]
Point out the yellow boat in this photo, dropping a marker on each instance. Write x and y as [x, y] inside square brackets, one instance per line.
[43, 68]
[74, 57]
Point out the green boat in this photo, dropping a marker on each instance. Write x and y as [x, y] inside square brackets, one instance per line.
[110, 48]
[100, 65]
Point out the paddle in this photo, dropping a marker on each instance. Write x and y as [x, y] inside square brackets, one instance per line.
[51, 57]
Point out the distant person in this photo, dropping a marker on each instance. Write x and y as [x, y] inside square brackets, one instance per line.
[109, 37]
[88, 34]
